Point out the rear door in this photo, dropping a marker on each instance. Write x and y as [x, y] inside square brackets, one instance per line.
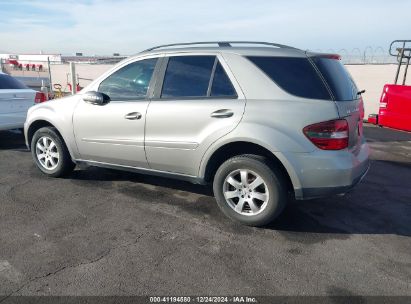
[15, 100]
[345, 94]
[196, 102]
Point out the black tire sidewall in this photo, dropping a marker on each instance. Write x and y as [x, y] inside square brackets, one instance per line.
[63, 159]
[272, 178]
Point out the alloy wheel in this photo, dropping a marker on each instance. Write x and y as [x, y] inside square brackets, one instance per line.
[246, 192]
[47, 153]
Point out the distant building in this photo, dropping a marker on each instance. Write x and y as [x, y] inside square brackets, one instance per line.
[33, 58]
[41, 59]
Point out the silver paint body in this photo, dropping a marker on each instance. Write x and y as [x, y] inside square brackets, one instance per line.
[14, 104]
[178, 137]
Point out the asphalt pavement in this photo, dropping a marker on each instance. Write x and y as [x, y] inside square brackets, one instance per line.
[106, 232]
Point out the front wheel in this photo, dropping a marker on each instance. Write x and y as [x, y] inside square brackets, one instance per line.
[250, 190]
[50, 153]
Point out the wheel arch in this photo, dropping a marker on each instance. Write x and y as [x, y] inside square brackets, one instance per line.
[235, 148]
[42, 123]
[36, 125]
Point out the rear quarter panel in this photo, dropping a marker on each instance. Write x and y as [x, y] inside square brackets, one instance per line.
[272, 114]
[273, 118]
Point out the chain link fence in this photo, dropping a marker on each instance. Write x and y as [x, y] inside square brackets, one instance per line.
[368, 55]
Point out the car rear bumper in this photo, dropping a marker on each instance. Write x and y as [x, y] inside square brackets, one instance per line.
[310, 193]
[325, 173]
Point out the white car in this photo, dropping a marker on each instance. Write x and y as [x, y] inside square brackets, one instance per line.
[15, 100]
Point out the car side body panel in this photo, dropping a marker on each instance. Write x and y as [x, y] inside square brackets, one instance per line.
[58, 113]
[14, 104]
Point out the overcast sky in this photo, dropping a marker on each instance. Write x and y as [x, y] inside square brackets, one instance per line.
[128, 26]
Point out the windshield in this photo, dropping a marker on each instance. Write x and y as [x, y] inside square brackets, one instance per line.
[9, 83]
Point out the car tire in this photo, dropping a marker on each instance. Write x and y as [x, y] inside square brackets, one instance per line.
[260, 199]
[50, 153]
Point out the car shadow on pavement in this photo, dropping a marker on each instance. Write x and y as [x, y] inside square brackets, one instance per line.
[380, 204]
[95, 174]
[12, 140]
[373, 207]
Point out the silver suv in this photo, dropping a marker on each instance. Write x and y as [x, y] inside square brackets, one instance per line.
[259, 121]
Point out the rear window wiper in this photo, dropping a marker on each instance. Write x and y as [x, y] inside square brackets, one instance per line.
[360, 92]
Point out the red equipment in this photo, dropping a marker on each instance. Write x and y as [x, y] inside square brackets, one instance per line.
[12, 62]
[78, 88]
[395, 102]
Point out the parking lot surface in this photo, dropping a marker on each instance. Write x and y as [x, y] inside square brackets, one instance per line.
[105, 232]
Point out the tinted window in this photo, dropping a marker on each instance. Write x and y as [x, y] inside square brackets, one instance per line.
[337, 77]
[221, 83]
[297, 76]
[9, 83]
[187, 76]
[130, 82]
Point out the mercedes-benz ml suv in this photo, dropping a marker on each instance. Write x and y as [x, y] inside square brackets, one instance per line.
[259, 121]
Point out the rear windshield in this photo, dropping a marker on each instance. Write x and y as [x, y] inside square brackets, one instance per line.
[338, 79]
[9, 83]
[296, 76]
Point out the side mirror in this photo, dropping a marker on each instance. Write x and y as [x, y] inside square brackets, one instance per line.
[96, 98]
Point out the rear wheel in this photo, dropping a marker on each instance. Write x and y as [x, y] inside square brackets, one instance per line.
[249, 190]
[50, 153]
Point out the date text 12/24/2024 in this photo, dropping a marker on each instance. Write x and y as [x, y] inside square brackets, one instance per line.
[203, 299]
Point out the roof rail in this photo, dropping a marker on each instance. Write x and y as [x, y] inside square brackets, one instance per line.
[220, 44]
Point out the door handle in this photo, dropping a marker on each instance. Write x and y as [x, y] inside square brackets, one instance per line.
[223, 113]
[133, 116]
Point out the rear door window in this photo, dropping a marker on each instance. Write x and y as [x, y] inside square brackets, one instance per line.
[187, 76]
[221, 85]
[337, 77]
[296, 76]
[9, 83]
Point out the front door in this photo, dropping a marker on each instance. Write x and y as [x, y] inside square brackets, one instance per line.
[114, 133]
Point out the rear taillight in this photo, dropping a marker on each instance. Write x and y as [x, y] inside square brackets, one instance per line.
[384, 98]
[362, 114]
[40, 97]
[328, 135]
